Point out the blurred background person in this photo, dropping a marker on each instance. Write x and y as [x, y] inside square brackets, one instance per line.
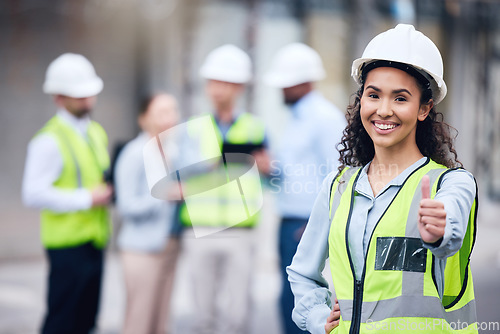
[149, 236]
[305, 154]
[221, 263]
[63, 177]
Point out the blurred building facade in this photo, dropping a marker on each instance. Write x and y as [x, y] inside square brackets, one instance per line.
[139, 46]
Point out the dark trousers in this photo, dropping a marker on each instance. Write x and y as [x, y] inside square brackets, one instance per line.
[74, 287]
[290, 232]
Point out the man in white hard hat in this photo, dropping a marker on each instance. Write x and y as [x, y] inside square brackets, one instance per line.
[306, 152]
[221, 263]
[63, 177]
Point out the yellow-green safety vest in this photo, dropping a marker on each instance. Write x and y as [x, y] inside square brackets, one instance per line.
[397, 292]
[220, 208]
[84, 162]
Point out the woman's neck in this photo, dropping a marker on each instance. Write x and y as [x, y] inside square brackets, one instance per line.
[401, 158]
[386, 165]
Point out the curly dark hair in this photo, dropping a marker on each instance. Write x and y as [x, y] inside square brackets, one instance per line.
[434, 137]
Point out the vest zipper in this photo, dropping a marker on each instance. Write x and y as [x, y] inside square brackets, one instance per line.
[358, 284]
[358, 301]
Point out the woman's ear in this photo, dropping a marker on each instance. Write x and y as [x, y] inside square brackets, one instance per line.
[424, 110]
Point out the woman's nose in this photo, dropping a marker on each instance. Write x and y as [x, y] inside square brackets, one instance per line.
[385, 109]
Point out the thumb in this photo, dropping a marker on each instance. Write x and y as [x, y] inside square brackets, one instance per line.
[426, 187]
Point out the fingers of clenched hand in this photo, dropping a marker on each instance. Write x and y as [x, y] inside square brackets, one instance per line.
[435, 232]
[333, 319]
[431, 211]
[101, 195]
[329, 326]
[336, 308]
[334, 314]
[431, 215]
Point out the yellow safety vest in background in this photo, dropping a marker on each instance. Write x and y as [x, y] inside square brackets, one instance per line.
[84, 162]
[397, 292]
[220, 209]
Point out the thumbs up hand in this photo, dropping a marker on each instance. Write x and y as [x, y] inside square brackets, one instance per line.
[431, 215]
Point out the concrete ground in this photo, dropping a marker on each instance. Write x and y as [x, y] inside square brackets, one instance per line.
[22, 295]
[23, 279]
[22, 285]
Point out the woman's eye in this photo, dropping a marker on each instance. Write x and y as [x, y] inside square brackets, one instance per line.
[373, 96]
[401, 99]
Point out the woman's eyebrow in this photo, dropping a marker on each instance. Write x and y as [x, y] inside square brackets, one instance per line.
[396, 91]
[374, 88]
[402, 90]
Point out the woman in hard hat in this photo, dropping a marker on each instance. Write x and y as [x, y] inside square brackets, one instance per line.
[397, 221]
[148, 240]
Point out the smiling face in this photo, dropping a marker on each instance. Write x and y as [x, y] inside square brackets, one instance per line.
[390, 109]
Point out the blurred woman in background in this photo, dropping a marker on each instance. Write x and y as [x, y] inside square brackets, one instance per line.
[148, 238]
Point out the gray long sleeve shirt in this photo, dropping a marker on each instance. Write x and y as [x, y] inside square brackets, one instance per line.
[312, 297]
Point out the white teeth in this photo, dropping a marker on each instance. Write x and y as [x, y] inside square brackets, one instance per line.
[385, 126]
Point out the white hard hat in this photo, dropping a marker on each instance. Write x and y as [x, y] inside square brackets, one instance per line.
[294, 64]
[403, 44]
[227, 63]
[72, 75]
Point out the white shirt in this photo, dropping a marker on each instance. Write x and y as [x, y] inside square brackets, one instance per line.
[44, 164]
[306, 154]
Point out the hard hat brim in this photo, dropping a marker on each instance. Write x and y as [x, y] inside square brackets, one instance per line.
[87, 89]
[438, 85]
[225, 76]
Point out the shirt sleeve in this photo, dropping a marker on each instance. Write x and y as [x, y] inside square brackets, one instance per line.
[43, 167]
[457, 193]
[131, 202]
[312, 297]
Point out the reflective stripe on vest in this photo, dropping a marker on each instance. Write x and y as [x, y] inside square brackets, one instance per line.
[397, 292]
[217, 201]
[84, 163]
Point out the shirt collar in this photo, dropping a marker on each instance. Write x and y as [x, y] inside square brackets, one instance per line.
[236, 114]
[363, 185]
[297, 109]
[144, 136]
[80, 124]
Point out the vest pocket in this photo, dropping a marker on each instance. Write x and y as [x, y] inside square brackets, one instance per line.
[400, 253]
